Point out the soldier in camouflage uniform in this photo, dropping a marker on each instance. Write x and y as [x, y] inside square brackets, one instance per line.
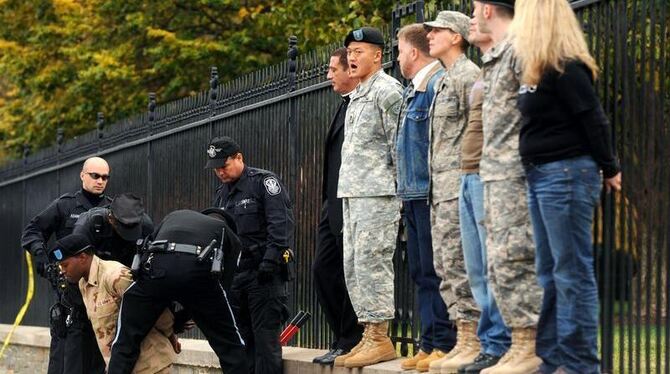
[449, 116]
[510, 248]
[366, 185]
[102, 284]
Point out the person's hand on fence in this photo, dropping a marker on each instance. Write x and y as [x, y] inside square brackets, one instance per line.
[613, 183]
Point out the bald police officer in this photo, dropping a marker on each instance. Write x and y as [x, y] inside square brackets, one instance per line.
[371, 213]
[72, 349]
[263, 213]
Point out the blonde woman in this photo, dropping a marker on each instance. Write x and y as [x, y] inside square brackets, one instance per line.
[566, 147]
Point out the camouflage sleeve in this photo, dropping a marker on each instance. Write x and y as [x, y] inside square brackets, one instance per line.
[390, 102]
[117, 281]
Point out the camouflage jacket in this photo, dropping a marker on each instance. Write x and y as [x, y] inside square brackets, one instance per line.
[501, 120]
[369, 136]
[102, 293]
[448, 120]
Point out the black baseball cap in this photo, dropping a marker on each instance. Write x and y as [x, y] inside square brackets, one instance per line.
[505, 3]
[127, 209]
[68, 246]
[366, 35]
[219, 149]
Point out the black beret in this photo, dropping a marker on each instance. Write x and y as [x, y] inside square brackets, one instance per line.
[219, 149]
[505, 3]
[69, 246]
[128, 211]
[366, 35]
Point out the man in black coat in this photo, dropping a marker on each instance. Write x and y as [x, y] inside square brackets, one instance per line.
[114, 231]
[73, 348]
[327, 268]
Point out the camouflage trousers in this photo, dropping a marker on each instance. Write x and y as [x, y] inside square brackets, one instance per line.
[370, 229]
[449, 263]
[511, 252]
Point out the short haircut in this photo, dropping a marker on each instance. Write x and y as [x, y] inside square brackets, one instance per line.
[341, 54]
[503, 11]
[416, 35]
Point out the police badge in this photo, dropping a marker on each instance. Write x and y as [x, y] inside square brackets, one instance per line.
[212, 151]
[272, 186]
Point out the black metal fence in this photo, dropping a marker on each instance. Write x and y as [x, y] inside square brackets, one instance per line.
[279, 116]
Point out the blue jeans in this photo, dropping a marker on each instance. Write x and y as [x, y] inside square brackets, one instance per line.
[436, 329]
[493, 335]
[562, 196]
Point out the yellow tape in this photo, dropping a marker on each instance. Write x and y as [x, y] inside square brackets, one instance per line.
[26, 304]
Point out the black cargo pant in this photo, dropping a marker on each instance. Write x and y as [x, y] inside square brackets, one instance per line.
[177, 277]
[261, 310]
[77, 352]
[331, 288]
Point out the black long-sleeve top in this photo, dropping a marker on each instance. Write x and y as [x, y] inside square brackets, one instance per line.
[562, 118]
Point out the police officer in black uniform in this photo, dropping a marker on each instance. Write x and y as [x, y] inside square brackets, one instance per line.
[180, 264]
[114, 231]
[262, 210]
[73, 347]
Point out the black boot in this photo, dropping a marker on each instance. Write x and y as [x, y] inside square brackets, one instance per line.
[329, 357]
[483, 361]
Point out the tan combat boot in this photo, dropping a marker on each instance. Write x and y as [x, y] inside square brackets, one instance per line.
[523, 358]
[423, 365]
[339, 360]
[410, 363]
[377, 348]
[468, 350]
[435, 367]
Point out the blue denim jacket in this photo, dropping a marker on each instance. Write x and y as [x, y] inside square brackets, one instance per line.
[412, 139]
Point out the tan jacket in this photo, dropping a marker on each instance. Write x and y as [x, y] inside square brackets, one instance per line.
[102, 292]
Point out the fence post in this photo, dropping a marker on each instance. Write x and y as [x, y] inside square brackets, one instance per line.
[99, 126]
[59, 145]
[213, 96]
[292, 55]
[294, 153]
[151, 108]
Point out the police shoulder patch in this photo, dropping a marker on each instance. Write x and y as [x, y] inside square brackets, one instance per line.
[272, 185]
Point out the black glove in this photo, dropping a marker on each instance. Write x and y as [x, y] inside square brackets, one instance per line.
[266, 270]
[41, 262]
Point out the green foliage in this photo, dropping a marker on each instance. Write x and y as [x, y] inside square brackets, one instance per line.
[61, 61]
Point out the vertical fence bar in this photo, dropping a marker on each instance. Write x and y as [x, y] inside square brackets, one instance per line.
[151, 116]
[99, 127]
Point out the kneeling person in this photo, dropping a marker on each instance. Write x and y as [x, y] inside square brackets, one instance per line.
[176, 266]
[102, 284]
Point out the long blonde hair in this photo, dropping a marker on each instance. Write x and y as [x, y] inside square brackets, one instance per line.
[546, 34]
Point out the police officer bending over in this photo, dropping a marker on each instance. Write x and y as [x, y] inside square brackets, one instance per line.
[73, 349]
[263, 213]
[183, 262]
[114, 231]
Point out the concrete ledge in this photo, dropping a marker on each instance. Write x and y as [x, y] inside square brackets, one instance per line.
[29, 353]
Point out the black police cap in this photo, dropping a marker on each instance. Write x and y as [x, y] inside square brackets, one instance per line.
[365, 35]
[127, 209]
[505, 3]
[219, 149]
[69, 246]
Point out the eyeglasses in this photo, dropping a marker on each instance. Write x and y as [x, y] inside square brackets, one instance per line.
[97, 176]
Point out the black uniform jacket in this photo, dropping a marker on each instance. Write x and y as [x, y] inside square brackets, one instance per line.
[331, 168]
[58, 218]
[195, 228]
[262, 210]
[95, 225]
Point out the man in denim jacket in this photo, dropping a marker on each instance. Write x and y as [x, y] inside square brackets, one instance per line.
[413, 183]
